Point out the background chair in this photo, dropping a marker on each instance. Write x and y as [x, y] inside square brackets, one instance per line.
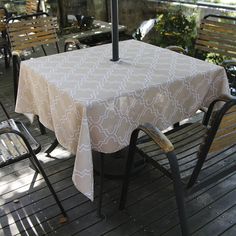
[216, 35]
[16, 144]
[28, 32]
[193, 155]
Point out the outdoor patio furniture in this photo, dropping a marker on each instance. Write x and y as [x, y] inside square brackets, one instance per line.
[193, 155]
[92, 103]
[27, 32]
[17, 144]
[4, 44]
[217, 35]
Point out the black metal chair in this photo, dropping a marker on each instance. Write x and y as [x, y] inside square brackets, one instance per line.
[16, 144]
[193, 155]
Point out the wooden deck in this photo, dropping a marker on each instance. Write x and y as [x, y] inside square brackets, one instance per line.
[27, 207]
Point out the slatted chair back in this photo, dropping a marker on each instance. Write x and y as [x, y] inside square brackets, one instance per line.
[32, 6]
[219, 140]
[217, 34]
[226, 133]
[29, 33]
[12, 146]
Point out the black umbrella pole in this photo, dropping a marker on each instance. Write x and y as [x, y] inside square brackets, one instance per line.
[115, 31]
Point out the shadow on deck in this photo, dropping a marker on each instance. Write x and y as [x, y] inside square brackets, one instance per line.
[27, 207]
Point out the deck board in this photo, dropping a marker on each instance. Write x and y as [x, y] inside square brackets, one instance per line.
[151, 208]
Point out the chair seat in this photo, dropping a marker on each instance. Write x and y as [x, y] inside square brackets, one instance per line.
[12, 147]
[186, 140]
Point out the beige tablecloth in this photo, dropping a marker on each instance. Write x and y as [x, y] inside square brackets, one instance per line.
[93, 103]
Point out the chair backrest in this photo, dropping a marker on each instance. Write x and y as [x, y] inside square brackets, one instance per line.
[222, 129]
[31, 32]
[217, 34]
[12, 146]
[225, 135]
[32, 6]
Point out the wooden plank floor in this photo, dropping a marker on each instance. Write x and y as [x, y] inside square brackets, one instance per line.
[27, 207]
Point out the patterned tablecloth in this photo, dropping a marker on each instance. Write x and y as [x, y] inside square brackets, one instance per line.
[93, 103]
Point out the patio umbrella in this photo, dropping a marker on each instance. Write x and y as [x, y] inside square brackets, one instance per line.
[115, 31]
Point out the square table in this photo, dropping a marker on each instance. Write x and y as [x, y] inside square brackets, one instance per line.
[92, 103]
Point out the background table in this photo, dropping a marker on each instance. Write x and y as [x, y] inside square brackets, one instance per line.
[93, 103]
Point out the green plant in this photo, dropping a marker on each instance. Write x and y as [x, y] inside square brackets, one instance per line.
[173, 27]
[216, 58]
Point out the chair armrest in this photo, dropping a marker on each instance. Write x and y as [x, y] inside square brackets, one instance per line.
[17, 53]
[228, 63]
[225, 98]
[8, 126]
[71, 41]
[157, 136]
[230, 68]
[177, 49]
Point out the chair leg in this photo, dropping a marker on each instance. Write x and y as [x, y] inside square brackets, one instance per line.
[16, 68]
[129, 164]
[34, 166]
[44, 51]
[7, 60]
[41, 127]
[66, 47]
[36, 162]
[99, 207]
[52, 147]
[179, 192]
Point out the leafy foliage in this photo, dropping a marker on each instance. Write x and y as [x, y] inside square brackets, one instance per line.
[175, 28]
[216, 58]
